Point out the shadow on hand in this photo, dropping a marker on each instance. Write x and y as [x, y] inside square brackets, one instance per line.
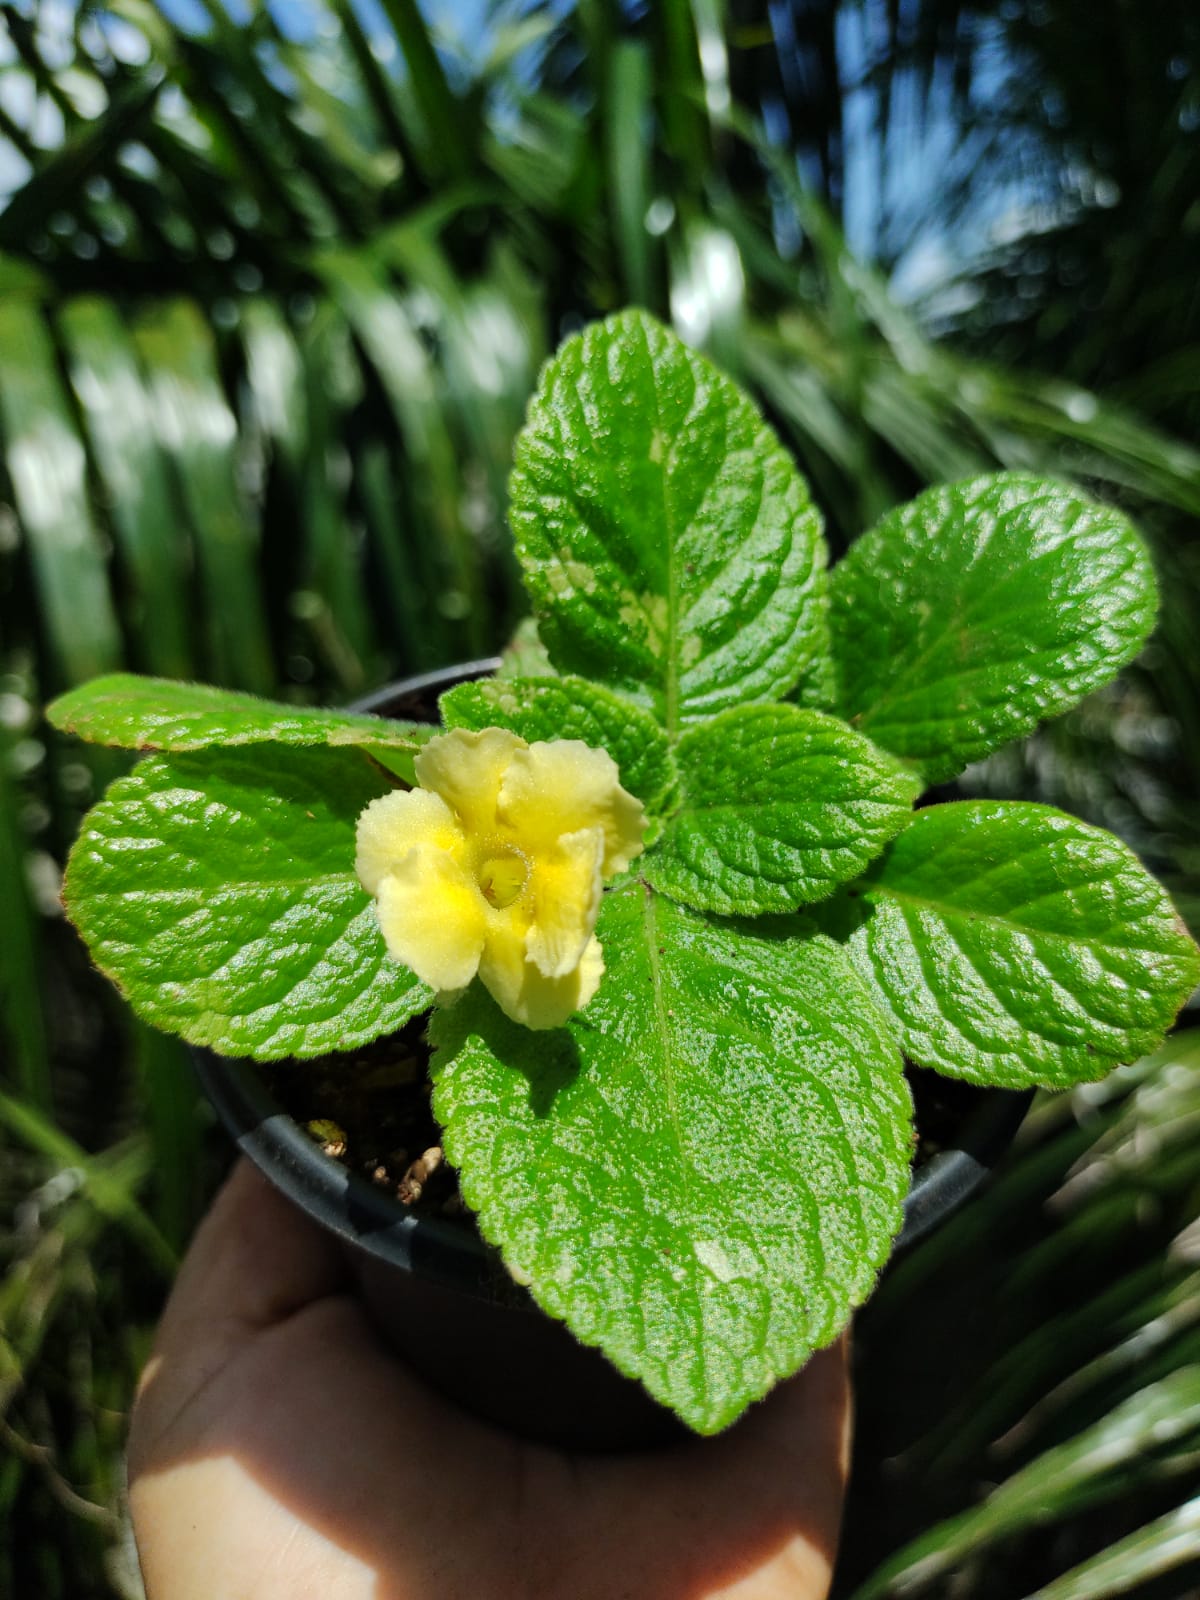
[285, 1391]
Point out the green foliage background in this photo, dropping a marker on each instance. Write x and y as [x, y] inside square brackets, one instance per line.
[270, 310]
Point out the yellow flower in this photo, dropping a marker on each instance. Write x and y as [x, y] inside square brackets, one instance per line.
[495, 864]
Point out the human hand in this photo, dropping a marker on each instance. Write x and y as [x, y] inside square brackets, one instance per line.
[279, 1453]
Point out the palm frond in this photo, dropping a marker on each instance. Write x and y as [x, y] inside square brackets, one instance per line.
[270, 309]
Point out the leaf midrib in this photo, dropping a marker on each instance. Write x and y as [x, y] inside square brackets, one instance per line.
[671, 701]
[950, 913]
[662, 1018]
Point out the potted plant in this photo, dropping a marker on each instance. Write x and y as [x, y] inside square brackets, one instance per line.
[437, 1291]
[664, 892]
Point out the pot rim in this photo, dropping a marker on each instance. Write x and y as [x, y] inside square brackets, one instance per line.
[445, 1251]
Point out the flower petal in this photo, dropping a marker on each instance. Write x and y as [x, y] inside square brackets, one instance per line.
[390, 827]
[525, 995]
[564, 891]
[466, 769]
[558, 787]
[433, 917]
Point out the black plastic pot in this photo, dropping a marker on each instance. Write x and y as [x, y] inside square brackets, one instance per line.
[440, 1295]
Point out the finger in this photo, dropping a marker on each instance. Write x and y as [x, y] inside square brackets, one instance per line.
[256, 1259]
[255, 1262]
[756, 1510]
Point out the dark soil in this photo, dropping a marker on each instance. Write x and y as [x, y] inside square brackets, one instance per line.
[369, 1109]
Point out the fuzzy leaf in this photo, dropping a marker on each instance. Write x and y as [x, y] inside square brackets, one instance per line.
[218, 892]
[702, 1173]
[668, 542]
[160, 714]
[963, 619]
[779, 806]
[1013, 945]
[572, 708]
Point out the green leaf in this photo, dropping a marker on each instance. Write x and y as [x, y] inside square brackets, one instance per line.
[628, 153]
[1149, 1552]
[361, 287]
[110, 1195]
[448, 121]
[963, 619]
[780, 806]
[572, 708]
[137, 713]
[1091, 1468]
[667, 539]
[23, 1032]
[120, 423]
[1013, 945]
[298, 405]
[219, 894]
[198, 432]
[47, 468]
[703, 1171]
